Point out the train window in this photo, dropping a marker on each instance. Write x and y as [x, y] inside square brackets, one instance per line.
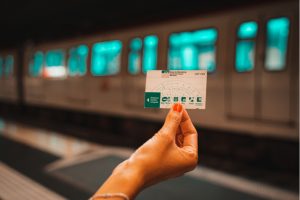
[1, 66]
[9, 65]
[106, 58]
[277, 42]
[150, 53]
[55, 64]
[149, 48]
[247, 30]
[245, 46]
[77, 63]
[193, 50]
[134, 58]
[36, 64]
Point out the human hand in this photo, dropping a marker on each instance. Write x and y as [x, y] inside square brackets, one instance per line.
[171, 152]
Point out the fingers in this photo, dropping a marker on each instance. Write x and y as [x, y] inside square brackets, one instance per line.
[186, 125]
[179, 140]
[173, 120]
[189, 133]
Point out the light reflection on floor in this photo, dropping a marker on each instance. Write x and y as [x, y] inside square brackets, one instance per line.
[52, 142]
[73, 150]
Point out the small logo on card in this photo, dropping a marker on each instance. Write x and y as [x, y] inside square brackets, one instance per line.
[152, 100]
[165, 74]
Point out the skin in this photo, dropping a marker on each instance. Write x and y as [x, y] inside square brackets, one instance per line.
[171, 152]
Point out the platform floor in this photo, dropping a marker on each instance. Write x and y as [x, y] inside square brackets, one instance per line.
[69, 168]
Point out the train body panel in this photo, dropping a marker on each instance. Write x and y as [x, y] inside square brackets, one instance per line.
[8, 76]
[259, 101]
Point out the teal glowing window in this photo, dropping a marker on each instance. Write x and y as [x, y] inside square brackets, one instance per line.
[247, 30]
[150, 53]
[55, 58]
[1, 66]
[134, 57]
[55, 64]
[36, 64]
[277, 43]
[193, 50]
[9, 65]
[77, 63]
[244, 56]
[106, 58]
[245, 47]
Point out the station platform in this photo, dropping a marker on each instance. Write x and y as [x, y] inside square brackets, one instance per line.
[37, 163]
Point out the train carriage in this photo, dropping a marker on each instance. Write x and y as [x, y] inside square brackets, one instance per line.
[251, 56]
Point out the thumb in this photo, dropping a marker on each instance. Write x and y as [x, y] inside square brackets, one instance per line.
[173, 120]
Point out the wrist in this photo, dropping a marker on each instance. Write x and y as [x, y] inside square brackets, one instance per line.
[127, 178]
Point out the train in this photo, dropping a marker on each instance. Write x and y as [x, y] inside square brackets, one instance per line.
[251, 55]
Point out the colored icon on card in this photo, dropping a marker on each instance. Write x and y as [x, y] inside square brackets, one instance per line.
[165, 99]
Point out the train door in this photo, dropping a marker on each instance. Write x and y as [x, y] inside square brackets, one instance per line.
[197, 47]
[277, 69]
[242, 71]
[8, 77]
[11, 77]
[295, 71]
[77, 94]
[34, 90]
[262, 79]
[105, 82]
[54, 74]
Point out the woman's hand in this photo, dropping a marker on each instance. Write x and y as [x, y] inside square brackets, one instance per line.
[171, 152]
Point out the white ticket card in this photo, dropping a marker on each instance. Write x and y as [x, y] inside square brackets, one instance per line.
[166, 87]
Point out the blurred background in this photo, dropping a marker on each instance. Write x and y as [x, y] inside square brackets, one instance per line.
[72, 81]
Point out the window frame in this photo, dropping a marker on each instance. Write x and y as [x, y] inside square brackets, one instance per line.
[13, 67]
[1, 67]
[90, 57]
[30, 59]
[68, 48]
[65, 56]
[193, 30]
[158, 40]
[255, 39]
[142, 37]
[287, 63]
[129, 51]
[3, 56]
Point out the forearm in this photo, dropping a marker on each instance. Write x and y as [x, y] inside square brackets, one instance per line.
[158, 159]
[126, 179]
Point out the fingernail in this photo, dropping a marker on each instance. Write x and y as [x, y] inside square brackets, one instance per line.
[175, 107]
[179, 108]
